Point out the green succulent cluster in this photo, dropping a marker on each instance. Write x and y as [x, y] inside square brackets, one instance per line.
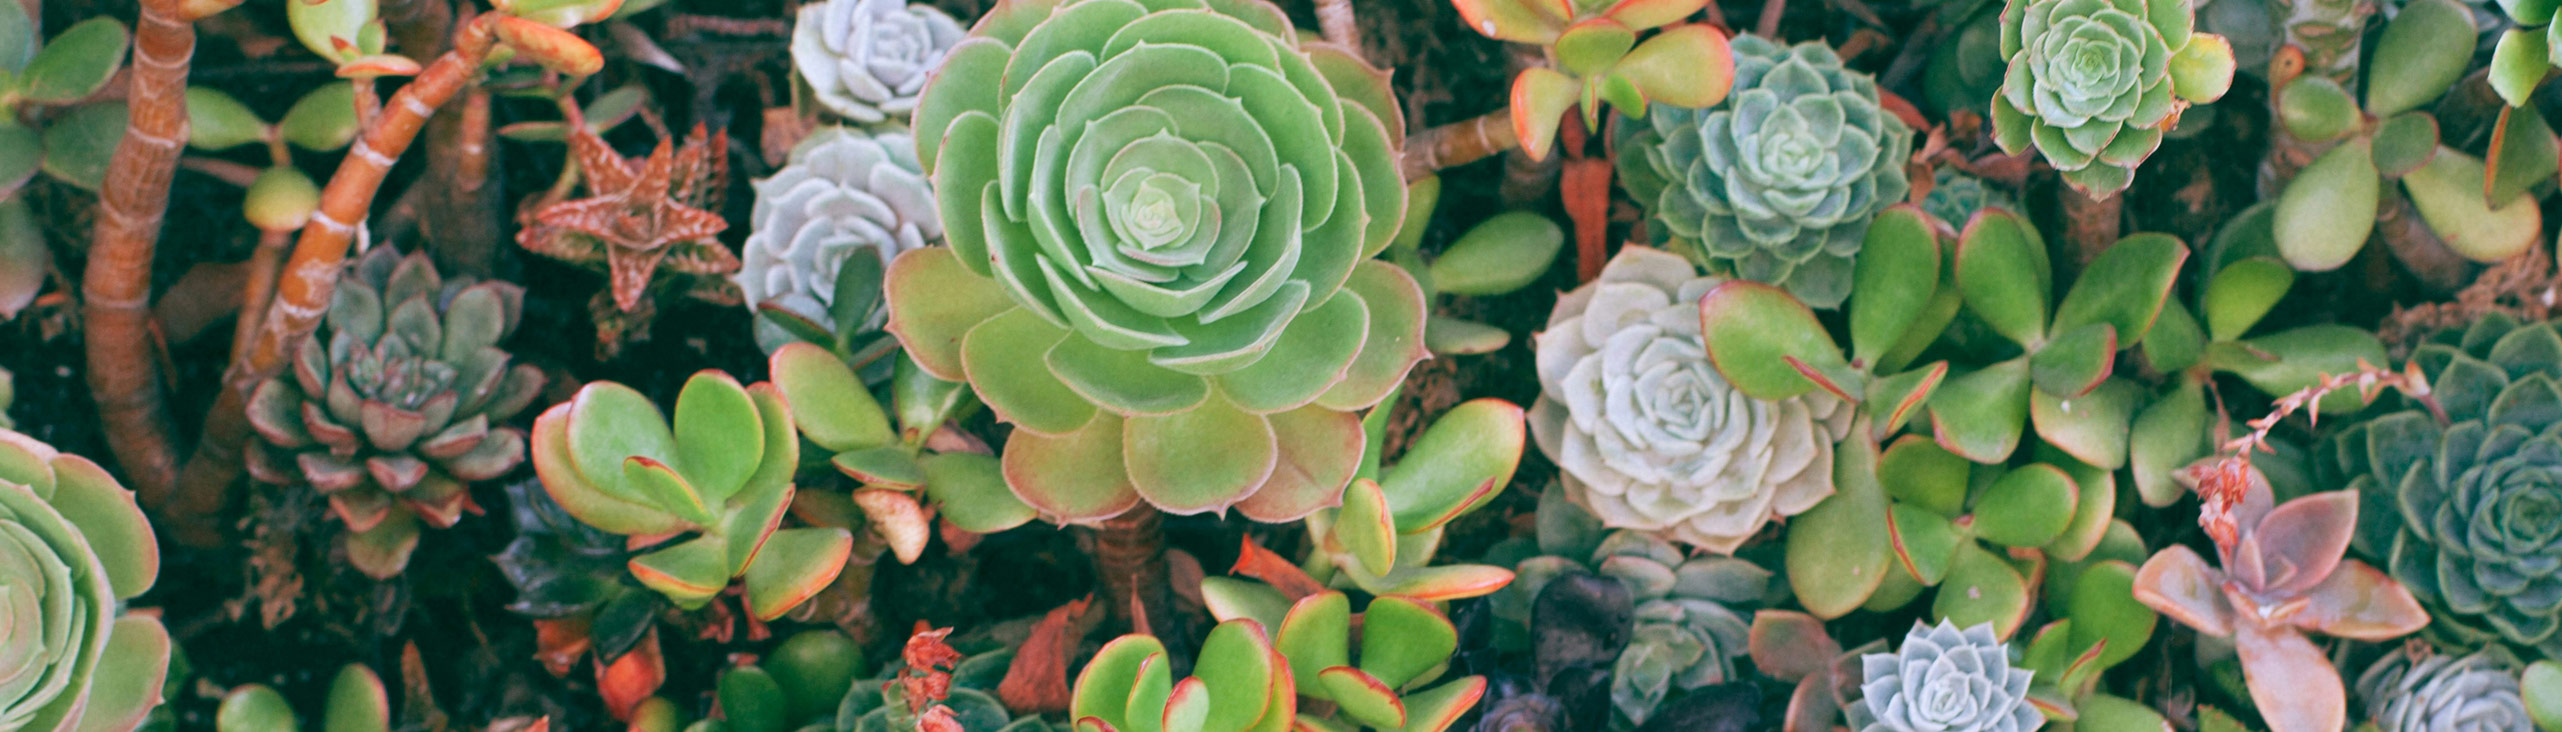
[2466, 508]
[73, 549]
[1159, 216]
[1777, 184]
[398, 404]
[1596, 57]
[720, 473]
[1693, 622]
[2093, 84]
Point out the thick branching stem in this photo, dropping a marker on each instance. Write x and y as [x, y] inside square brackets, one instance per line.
[116, 288]
[1459, 143]
[2091, 224]
[260, 285]
[1337, 23]
[310, 278]
[1129, 556]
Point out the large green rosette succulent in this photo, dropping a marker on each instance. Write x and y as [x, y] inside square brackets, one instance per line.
[2466, 508]
[2093, 84]
[73, 548]
[1159, 218]
[1777, 184]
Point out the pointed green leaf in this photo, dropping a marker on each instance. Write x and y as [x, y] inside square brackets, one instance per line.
[1895, 276]
[1769, 345]
[1364, 527]
[2133, 280]
[2075, 362]
[1499, 255]
[2092, 427]
[2241, 293]
[1455, 465]
[792, 567]
[2002, 270]
[1925, 542]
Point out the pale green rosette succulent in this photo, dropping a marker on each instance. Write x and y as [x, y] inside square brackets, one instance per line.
[1161, 218]
[845, 193]
[1944, 680]
[73, 548]
[869, 59]
[1649, 435]
[1955, 197]
[2417, 689]
[1777, 184]
[2093, 84]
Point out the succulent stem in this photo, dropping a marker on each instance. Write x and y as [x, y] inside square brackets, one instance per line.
[2322, 38]
[310, 278]
[2439, 269]
[1459, 143]
[1337, 23]
[116, 286]
[2090, 224]
[1129, 556]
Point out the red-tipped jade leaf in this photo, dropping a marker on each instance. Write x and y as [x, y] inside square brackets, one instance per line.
[1769, 345]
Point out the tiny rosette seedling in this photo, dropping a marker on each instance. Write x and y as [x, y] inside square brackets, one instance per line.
[399, 404]
[2093, 85]
[1156, 270]
[721, 473]
[1778, 183]
[1649, 434]
[868, 59]
[73, 548]
[845, 194]
[1597, 57]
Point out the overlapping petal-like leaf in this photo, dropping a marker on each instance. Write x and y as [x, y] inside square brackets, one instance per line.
[2093, 84]
[869, 59]
[1159, 215]
[2468, 512]
[73, 548]
[1650, 435]
[1778, 183]
[845, 193]
[2420, 690]
[404, 407]
[1944, 680]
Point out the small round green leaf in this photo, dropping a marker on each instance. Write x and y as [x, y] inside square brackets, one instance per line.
[1202, 460]
[2002, 271]
[2026, 507]
[1981, 588]
[1979, 415]
[1402, 639]
[1769, 345]
[1364, 528]
[216, 121]
[322, 120]
[2325, 214]
[76, 63]
[1835, 554]
[1894, 277]
[971, 491]
[78, 145]
[2238, 295]
[1917, 472]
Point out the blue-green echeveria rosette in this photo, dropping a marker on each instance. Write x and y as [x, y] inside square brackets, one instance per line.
[2467, 509]
[1160, 220]
[2093, 84]
[73, 548]
[845, 193]
[869, 59]
[1944, 680]
[1777, 184]
[2415, 688]
[1649, 435]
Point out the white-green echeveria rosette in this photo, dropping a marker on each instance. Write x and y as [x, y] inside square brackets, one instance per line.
[1649, 435]
[1944, 680]
[73, 548]
[2422, 689]
[846, 193]
[869, 59]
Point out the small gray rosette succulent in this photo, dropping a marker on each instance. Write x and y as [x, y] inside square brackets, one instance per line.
[1944, 680]
[845, 193]
[1777, 185]
[1955, 197]
[2418, 689]
[1649, 435]
[868, 59]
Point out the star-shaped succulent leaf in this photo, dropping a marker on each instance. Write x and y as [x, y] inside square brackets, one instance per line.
[642, 214]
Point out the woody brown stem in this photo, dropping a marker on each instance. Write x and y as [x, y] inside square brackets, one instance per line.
[2439, 269]
[1129, 556]
[310, 277]
[2090, 225]
[1459, 143]
[124, 380]
[259, 285]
